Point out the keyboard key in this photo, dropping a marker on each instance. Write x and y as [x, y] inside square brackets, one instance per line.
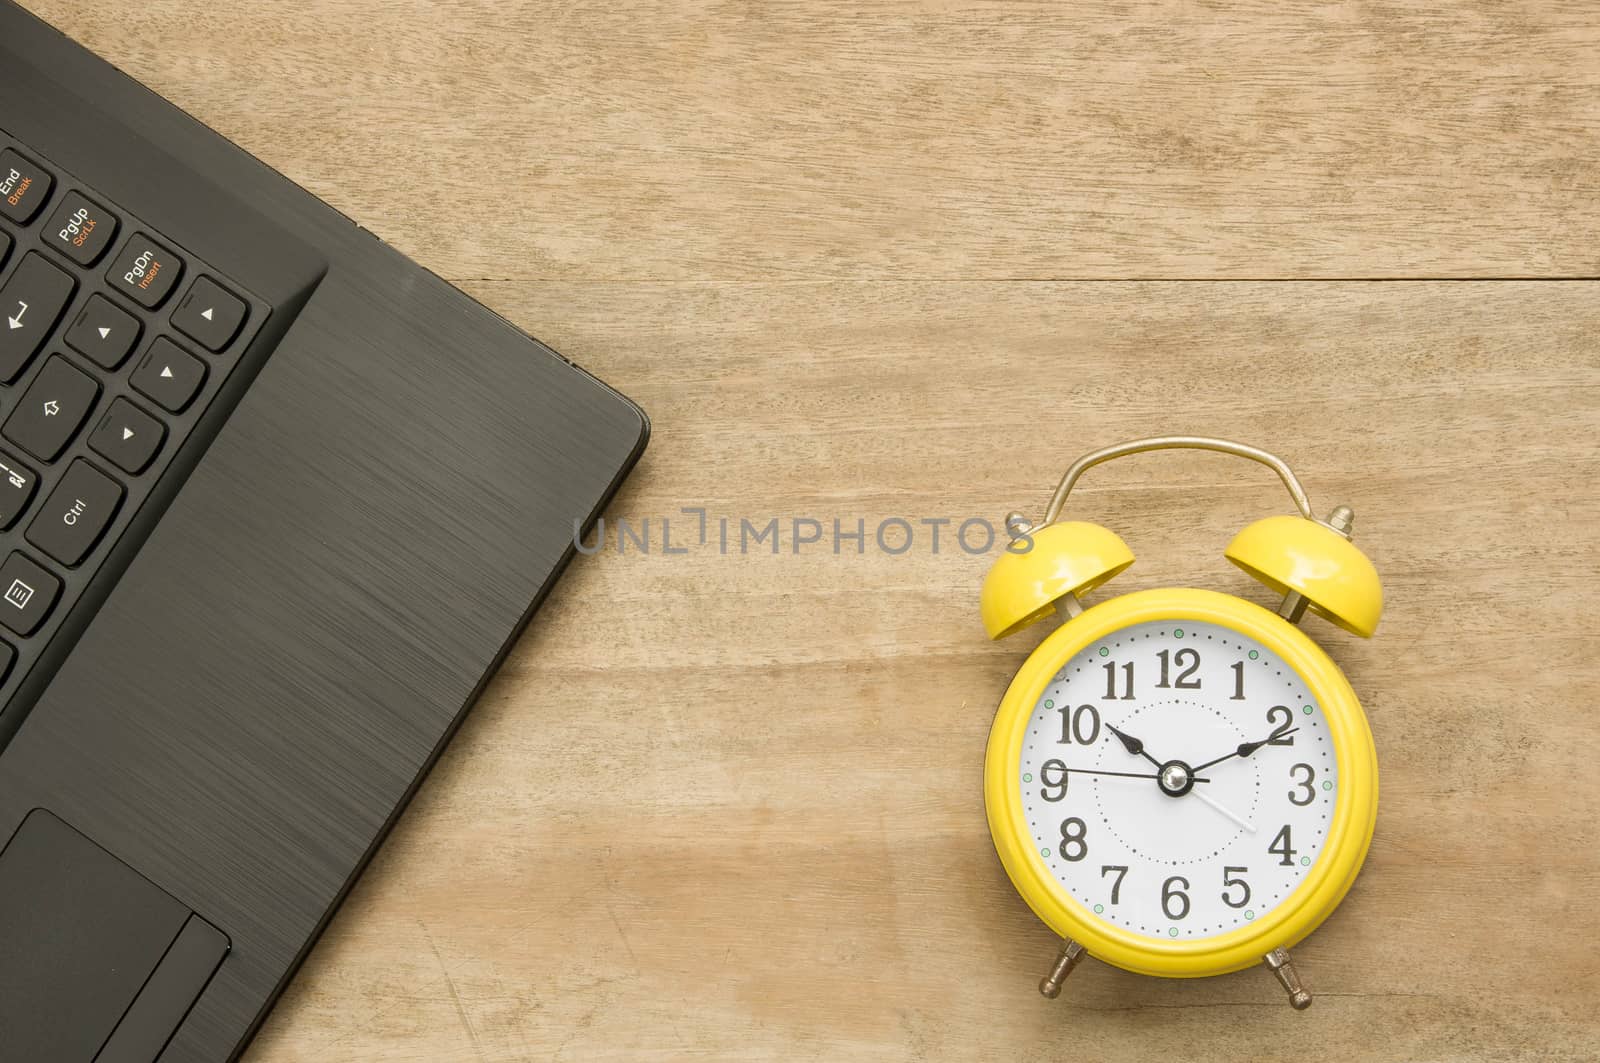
[5, 247]
[81, 229]
[145, 272]
[76, 514]
[210, 314]
[103, 332]
[53, 409]
[8, 656]
[169, 375]
[16, 489]
[24, 186]
[27, 593]
[31, 302]
[127, 436]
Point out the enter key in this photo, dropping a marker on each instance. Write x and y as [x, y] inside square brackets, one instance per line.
[76, 514]
[30, 304]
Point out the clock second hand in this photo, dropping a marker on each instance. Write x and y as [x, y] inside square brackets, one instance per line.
[1214, 803]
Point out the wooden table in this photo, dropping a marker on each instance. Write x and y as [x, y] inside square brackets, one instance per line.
[909, 259]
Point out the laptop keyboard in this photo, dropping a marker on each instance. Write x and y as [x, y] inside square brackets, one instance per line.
[113, 341]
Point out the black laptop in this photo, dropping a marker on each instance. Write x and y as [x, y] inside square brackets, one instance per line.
[274, 502]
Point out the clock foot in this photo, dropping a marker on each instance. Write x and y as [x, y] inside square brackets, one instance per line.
[1070, 956]
[1278, 963]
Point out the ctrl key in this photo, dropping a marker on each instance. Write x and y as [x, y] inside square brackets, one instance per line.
[27, 594]
[76, 514]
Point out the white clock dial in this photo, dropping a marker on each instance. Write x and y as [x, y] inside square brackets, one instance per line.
[1178, 778]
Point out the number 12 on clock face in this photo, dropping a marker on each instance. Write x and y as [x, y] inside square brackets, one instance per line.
[1178, 779]
[1181, 782]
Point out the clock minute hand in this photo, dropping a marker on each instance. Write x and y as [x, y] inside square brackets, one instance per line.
[1133, 745]
[1118, 774]
[1246, 748]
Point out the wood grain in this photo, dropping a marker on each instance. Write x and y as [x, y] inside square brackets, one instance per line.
[703, 139]
[727, 807]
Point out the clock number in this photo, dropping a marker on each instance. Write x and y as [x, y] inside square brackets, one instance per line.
[1168, 894]
[1303, 785]
[1238, 681]
[1053, 790]
[1183, 682]
[1230, 878]
[1111, 681]
[1281, 846]
[1073, 831]
[1192, 657]
[1278, 738]
[1116, 886]
[1074, 727]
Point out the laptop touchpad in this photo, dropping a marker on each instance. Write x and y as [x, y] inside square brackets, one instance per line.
[99, 964]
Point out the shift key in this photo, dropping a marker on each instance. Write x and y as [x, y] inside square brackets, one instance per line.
[76, 514]
[52, 410]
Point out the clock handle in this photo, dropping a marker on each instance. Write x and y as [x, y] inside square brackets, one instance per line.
[1279, 963]
[1141, 446]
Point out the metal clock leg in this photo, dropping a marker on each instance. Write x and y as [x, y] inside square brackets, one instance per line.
[1279, 963]
[1070, 956]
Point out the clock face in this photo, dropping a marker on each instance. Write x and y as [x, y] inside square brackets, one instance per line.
[1178, 778]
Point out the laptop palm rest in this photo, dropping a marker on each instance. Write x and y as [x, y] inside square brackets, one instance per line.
[97, 964]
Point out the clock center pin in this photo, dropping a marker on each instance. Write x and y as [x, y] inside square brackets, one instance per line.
[1175, 778]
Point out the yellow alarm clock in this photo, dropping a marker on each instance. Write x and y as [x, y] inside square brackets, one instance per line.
[1180, 782]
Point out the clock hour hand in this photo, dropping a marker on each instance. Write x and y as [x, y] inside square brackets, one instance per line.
[1247, 748]
[1133, 745]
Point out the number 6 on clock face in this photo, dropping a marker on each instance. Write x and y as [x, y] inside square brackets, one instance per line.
[1197, 859]
[1168, 782]
[1178, 781]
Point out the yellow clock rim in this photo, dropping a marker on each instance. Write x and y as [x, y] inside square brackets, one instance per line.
[1349, 832]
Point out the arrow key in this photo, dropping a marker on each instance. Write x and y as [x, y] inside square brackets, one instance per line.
[127, 437]
[210, 314]
[103, 332]
[52, 410]
[169, 375]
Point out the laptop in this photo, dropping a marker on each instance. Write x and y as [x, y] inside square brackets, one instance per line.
[274, 502]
